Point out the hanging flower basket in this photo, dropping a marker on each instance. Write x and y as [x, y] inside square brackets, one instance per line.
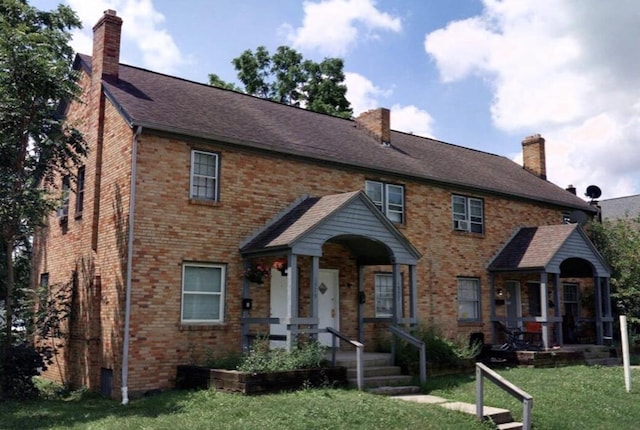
[281, 265]
[257, 273]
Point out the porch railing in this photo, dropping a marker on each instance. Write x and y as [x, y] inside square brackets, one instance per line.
[418, 344]
[483, 371]
[336, 335]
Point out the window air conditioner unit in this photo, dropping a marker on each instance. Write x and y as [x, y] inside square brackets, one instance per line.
[62, 214]
[461, 225]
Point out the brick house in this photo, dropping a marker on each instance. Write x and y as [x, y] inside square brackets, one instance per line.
[188, 188]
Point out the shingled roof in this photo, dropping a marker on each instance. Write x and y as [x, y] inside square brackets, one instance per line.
[166, 103]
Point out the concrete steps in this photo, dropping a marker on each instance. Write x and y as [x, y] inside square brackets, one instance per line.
[599, 355]
[380, 375]
[502, 418]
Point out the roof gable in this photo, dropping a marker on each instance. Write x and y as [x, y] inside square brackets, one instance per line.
[306, 226]
[546, 248]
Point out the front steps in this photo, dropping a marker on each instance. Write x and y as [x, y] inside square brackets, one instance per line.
[380, 375]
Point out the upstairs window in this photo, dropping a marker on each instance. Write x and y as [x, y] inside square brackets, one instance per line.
[204, 175]
[203, 289]
[389, 198]
[468, 214]
[80, 192]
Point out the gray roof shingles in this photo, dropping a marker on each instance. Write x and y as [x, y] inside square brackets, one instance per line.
[171, 104]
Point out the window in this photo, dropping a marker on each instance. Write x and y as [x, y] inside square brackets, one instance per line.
[469, 299]
[44, 280]
[80, 192]
[204, 175]
[384, 295]
[535, 306]
[389, 198]
[468, 214]
[203, 293]
[63, 210]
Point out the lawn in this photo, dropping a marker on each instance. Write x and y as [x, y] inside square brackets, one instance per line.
[576, 397]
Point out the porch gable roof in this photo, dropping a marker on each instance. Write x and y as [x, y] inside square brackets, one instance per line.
[545, 248]
[311, 221]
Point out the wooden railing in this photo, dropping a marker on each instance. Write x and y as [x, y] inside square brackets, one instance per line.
[483, 371]
[336, 335]
[418, 344]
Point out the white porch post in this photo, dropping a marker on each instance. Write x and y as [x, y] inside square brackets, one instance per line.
[544, 306]
[313, 293]
[292, 300]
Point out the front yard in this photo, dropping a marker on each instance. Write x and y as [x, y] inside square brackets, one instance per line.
[575, 397]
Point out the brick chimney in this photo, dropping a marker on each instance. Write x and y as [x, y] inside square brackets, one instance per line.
[533, 156]
[378, 123]
[106, 45]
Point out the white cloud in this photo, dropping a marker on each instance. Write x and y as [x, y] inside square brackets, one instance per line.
[568, 70]
[333, 26]
[142, 29]
[364, 95]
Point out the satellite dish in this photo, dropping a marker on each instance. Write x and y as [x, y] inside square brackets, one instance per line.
[593, 192]
[578, 217]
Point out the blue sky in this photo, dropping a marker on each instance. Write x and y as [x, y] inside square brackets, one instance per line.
[478, 73]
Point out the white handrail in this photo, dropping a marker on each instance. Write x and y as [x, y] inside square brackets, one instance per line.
[523, 396]
[359, 354]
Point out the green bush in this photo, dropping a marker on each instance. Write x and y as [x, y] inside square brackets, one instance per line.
[228, 360]
[19, 365]
[263, 359]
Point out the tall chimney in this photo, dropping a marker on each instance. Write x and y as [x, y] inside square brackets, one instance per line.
[533, 156]
[106, 45]
[378, 123]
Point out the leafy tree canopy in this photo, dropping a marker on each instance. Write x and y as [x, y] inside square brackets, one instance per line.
[286, 77]
[36, 145]
[619, 243]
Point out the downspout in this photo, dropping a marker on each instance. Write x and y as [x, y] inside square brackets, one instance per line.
[127, 308]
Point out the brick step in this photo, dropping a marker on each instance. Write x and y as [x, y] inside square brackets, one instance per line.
[352, 373]
[596, 352]
[382, 381]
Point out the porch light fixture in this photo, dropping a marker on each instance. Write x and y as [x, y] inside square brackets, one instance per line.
[499, 292]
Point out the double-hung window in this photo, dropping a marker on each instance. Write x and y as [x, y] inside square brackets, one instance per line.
[389, 198]
[469, 299]
[468, 214]
[80, 192]
[205, 168]
[203, 289]
[384, 295]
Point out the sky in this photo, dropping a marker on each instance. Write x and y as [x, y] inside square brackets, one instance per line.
[483, 74]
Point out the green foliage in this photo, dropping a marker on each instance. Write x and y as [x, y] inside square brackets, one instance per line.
[263, 359]
[286, 77]
[439, 349]
[619, 243]
[20, 363]
[228, 360]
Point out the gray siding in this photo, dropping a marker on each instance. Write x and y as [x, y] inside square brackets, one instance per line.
[577, 246]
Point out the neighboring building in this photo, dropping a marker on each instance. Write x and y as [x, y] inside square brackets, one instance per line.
[620, 208]
[188, 188]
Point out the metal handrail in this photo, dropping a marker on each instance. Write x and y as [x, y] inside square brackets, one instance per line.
[521, 395]
[418, 344]
[359, 354]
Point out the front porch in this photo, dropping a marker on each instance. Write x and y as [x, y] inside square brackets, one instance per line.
[566, 355]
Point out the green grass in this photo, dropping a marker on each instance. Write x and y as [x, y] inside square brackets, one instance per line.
[577, 397]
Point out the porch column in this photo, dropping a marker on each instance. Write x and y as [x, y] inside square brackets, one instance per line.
[544, 306]
[361, 302]
[292, 300]
[598, 295]
[557, 309]
[413, 295]
[492, 304]
[313, 292]
[397, 295]
[246, 294]
[608, 320]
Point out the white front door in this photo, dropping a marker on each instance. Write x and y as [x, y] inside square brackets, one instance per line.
[328, 303]
[328, 306]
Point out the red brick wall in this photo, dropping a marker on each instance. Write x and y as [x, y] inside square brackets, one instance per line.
[169, 230]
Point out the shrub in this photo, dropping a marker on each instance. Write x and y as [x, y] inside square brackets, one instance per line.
[20, 364]
[228, 360]
[263, 359]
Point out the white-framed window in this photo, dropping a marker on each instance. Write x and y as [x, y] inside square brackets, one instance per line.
[389, 198]
[384, 295]
[80, 192]
[204, 175]
[469, 299]
[468, 214]
[203, 289]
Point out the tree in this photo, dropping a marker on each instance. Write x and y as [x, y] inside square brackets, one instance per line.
[286, 77]
[36, 145]
[619, 243]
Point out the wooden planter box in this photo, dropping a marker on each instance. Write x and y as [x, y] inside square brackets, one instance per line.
[233, 381]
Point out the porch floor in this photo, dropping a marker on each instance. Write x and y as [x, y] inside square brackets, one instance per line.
[566, 355]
